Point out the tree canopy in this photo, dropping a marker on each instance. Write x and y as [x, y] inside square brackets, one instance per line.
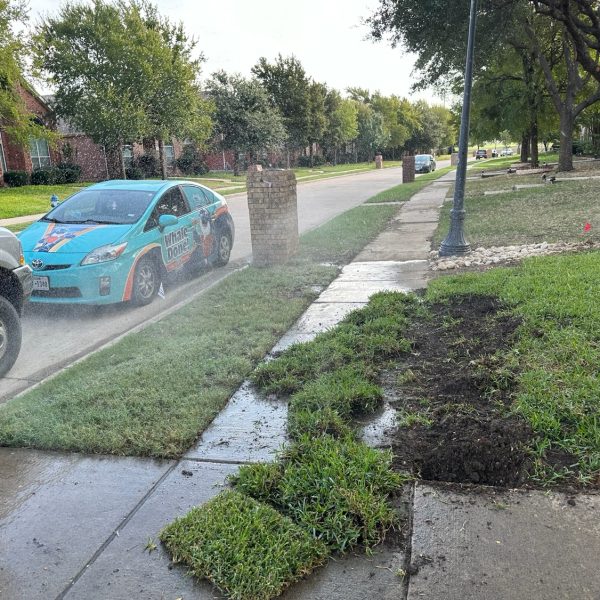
[122, 72]
[15, 118]
[244, 117]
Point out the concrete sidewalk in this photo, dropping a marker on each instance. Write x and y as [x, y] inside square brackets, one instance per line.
[77, 527]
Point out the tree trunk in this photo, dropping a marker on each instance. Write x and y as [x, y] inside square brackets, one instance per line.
[311, 152]
[335, 156]
[565, 156]
[162, 158]
[535, 159]
[119, 153]
[236, 163]
[524, 147]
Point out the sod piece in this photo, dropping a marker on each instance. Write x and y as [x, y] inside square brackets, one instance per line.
[246, 548]
[337, 489]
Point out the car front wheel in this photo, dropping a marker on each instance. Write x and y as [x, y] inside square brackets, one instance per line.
[145, 282]
[10, 335]
[224, 244]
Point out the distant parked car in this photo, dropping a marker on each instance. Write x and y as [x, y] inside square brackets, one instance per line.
[482, 153]
[507, 152]
[494, 153]
[424, 163]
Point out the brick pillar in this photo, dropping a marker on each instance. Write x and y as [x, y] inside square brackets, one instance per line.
[454, 159]
[408, 169]
[378, 161]
[272, 205]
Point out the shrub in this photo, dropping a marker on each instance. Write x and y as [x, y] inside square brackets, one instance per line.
[134, 173]
[190, 162]
[16, 178]
[317, 161]
[71, 172]
[246, 548]
[148, 164]
[43, 177]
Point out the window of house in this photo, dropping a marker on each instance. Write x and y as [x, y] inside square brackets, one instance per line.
[127, 151]
[40, 153]
[169, 154]
[2, 157]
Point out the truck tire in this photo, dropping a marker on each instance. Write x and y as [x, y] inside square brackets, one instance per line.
[10, 335]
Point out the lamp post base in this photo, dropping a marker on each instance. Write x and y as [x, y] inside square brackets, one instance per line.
[455, 243]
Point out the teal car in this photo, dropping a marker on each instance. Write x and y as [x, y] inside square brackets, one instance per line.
[117, 241]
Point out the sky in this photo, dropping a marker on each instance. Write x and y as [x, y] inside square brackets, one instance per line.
[327, 36]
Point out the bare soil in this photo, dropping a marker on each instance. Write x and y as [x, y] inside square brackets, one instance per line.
[456, 379]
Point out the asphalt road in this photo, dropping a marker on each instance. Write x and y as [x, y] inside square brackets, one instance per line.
[55, 336]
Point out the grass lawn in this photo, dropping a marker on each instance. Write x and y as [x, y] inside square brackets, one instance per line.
[552, 213]
[503, 162]
[32, 199]
[402, 192]
[133, 399]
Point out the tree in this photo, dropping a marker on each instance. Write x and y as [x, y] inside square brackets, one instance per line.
[172, 97]
[570, 92]
[244, 116]
[15, 118]
[317, 120]
[342, 123]
[122, 73]
[581, 19]
[372, 136]
[287, 85]
[399, 118]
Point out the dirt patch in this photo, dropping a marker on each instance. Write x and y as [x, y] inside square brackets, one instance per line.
[453, 395]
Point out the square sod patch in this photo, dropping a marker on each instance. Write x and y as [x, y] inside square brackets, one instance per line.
[246, 548]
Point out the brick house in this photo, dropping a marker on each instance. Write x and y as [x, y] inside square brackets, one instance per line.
[76, 147]
[14, 157]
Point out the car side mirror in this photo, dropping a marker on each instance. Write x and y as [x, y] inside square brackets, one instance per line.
[166, 221]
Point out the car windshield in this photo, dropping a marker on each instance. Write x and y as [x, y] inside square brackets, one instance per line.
[421, 159]
[114, 207]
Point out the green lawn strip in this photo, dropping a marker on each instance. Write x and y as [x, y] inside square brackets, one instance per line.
[557, 350]
[153, 392]
[403, 192]
[246, 548]
[552, 213]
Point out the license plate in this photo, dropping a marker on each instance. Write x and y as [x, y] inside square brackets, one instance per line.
[41, 283]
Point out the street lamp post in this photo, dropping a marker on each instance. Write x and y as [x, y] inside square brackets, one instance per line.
[455, 242]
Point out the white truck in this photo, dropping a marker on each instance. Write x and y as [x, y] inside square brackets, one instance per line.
[16, 282]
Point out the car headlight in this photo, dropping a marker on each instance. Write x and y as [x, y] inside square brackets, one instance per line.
[104, 254]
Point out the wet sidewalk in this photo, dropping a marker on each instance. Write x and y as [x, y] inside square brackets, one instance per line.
[85, 528]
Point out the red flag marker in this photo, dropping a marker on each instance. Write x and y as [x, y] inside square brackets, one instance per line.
[587, 227]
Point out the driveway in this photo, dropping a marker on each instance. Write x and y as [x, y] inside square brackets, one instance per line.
[55, 336]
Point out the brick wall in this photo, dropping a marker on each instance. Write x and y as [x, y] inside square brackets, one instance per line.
[272, 205]
[88, 155]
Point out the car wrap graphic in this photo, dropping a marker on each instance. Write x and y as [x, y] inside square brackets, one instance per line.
[57, 235]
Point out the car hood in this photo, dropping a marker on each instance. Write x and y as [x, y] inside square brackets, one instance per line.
[69, 237]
